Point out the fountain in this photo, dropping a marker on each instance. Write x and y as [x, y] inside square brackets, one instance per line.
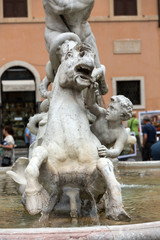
[69, 173]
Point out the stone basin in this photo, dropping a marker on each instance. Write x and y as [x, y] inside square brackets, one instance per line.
[141, 198]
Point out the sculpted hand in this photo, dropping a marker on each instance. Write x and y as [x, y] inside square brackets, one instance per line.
[103, 151]
[98, 73]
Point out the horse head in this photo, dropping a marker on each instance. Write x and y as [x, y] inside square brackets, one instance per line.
[76, 66]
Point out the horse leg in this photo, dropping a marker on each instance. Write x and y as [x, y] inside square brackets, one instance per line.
[114, 208]
[36, 197]
[72, 194]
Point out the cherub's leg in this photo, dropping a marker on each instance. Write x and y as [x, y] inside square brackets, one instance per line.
[114, 208]
[36, 197]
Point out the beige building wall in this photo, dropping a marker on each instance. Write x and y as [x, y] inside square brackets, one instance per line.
[128, 46]
[142, 59]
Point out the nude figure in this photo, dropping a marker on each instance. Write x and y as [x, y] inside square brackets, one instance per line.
[67, 20]
[108, 126]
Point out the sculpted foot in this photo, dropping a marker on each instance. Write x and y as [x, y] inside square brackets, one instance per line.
[117, 213]
[36, 200]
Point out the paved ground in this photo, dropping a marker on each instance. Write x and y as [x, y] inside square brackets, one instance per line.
[21, 152]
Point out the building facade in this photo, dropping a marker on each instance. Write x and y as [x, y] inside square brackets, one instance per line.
[128, 40]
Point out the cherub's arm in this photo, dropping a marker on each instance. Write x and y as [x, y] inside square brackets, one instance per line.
[90, 102]
[67, 6]
[117, 147]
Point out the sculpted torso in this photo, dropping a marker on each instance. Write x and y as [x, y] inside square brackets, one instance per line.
[68, 138]
[107, 136]
[65, 18]
[74, 11]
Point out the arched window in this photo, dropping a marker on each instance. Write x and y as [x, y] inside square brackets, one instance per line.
[15, 8]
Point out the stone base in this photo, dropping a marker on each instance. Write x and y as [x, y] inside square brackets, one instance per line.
[143, 231]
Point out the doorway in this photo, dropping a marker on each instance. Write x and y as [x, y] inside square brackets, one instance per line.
[18, 97]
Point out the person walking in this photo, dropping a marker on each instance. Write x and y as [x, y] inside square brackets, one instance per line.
[7, 147]
[149, 137]
[27, 137]
[133, 124]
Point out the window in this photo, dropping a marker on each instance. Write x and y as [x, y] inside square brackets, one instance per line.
[15, 8]
[132, 88]
[125, 7]
[17, 73]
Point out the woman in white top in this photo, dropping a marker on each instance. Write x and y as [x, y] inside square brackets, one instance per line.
[7, 146]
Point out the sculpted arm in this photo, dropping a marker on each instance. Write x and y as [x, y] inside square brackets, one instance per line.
[90, 101]
[117, 147]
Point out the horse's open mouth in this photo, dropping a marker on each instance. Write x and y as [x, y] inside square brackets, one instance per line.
[84, 71]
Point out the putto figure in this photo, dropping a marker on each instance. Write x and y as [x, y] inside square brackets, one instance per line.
[108, 125]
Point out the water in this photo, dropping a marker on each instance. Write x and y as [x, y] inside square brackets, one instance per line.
[140, 192]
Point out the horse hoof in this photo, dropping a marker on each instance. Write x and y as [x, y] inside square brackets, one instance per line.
[117, 215]
[36, 201]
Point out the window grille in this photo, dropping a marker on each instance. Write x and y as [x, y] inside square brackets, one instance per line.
[131, 90]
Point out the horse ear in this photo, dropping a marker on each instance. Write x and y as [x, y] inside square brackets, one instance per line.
[58, 42]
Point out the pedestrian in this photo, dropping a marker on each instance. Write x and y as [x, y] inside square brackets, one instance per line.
[7, 147]
[155, 151]
[27, 137]
[149, 137]
[32, 138]
[133, 124]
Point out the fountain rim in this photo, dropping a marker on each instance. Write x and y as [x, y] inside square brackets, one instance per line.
[140, 164]
[141, 231]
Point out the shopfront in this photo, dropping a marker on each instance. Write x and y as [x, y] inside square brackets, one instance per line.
[18, 100]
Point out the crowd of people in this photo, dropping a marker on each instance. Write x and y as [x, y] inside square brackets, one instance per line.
[148, 145]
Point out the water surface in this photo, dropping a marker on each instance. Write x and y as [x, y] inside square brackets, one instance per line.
[140, 192]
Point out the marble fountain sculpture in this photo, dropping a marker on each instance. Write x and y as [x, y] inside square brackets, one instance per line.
[71, 159]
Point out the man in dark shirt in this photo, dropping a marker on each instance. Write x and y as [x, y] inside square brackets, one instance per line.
[149, 137]
[155, 151]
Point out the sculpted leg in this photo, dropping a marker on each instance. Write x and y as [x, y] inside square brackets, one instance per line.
[114, 208]
[36, 197]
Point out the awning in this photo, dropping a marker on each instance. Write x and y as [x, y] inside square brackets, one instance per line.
[18, 85]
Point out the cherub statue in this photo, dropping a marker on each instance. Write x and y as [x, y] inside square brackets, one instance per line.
[108, 126]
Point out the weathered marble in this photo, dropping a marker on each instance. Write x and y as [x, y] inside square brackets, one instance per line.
[64, 160]
[67, 165]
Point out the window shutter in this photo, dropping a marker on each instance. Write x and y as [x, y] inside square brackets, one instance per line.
[125, 7]
[21, 8]
[131, 7]
[118, 7]
[14, 8]
[8, 8]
